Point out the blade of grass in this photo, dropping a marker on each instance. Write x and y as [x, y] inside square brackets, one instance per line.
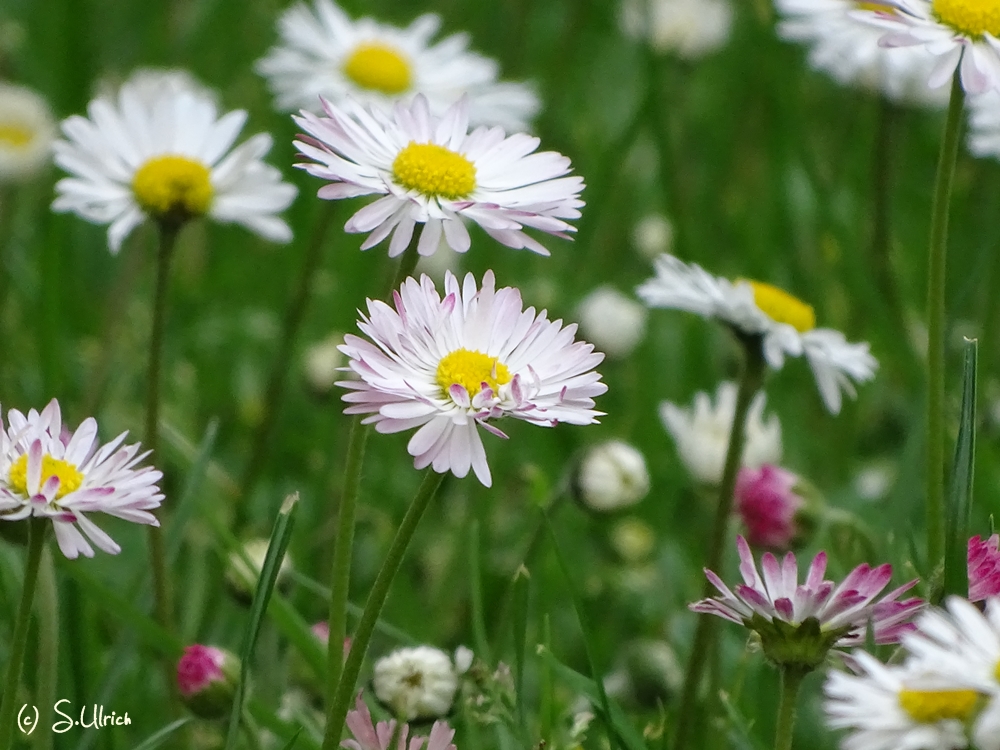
[155, 740]
[291, 743]
[522, 592]
[959, 509]
[185, 506]
[476, 584]
[280, 536]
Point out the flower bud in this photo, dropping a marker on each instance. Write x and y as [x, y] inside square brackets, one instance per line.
[416, 683]
[653, 235]
[984, 567]
[612, 475]
[242, 580]
[768, 504]
[613, 322]
[27, 131]
[322, 362]
[207, 677]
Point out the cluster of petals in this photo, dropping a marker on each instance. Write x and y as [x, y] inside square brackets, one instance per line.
[984, 567]
[152, 118]
[551, 376]
[767, 503]
[316, 44]
[912, 23]
[109, 482]
[371, 736]
[515, 188]
[775, 594]
[834, 361]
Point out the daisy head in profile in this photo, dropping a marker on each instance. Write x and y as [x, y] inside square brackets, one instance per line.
[450, 365]
[162, 152]
[432, 171]
[27, 130]
[48, 471]
[764, 315]
[323, 52]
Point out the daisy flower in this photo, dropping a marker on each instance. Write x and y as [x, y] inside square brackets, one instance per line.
[959, 33]
[768, 503]
[47, 471]
[26, 133]
[800, 623]
[432, 171]
[784, 324]
[323, 52]
[371, 736]
[165, 154]
[452, 365]
[984, 567]
[416, 683]
[892, 708]
[688, 28]
[848, 49]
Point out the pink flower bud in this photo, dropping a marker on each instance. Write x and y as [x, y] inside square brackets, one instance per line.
[984, 567]
[206, 678]
[767, 504]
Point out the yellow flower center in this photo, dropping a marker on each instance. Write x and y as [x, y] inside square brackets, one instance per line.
[970, 17]
[70, 478]
[470, 370]
[15, 136]
[782, 307]
[173, 185]
[877, 7]
[380, 68]
[930, 706]
[434, 171]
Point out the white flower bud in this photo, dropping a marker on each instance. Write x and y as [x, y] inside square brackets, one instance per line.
[27, 131]
[653, 235]
[416, 683]
[687, 28]
[613, 322]
[242, 579]
[322, 362]
[612, 475]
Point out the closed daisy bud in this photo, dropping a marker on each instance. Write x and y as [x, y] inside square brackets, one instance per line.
[416, 683]
[27, 131]
[207, 678]
[687, 28]
[767, 502]
[322, 364]
[242, 579]
[984, 567]
[613, 322]
[612, 475]
[653, 235]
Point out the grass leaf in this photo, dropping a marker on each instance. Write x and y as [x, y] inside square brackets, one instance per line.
[958, 511]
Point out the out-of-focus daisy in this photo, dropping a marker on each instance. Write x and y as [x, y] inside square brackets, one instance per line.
[848, 49]
[165, 154]
[452, 365]
[432, 171]
[960, 33]
[47, 471]
[688, 28]
[799, 623]
[984, 124]
[785, 325]
[324, 53]
[416, 683]
[767, 503]
[370, 736]
[322, 362]
[984, 567]
[614, 322]
[27, 131]
[653, 235]
[892, 707]
[612, 476]
[701, 433]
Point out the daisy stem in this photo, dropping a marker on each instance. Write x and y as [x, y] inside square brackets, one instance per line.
[157, 551]
[936, 325]
[791, 681]
[337, 708]
[36, 543]
[406, 265]
[294, 315]
[751, 380]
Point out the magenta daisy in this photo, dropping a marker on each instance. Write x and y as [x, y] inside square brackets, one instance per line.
[371, 736]
[984, 567]
[47, 471]
[451, 365]
[433, 171]
[800, 623]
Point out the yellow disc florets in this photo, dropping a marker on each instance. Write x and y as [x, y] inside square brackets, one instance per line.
[173, 186]
[16, 136]
[875, 6]
[970, 17]
[380, 68]
[434, 171]
[782, 307]
[930, 706]
[70, 478]
[470, 370]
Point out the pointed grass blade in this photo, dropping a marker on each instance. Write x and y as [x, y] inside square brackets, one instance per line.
[958, 511]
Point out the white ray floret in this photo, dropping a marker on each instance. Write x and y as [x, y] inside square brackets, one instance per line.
[46, 471]
[450, 365]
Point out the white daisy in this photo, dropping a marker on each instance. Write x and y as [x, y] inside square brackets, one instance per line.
[416, 683]
[454, 364]
[785, 325]
[984, 124]
[848, 49]
[26, 132]
[896, 708]
[959, 33]
[688, 28]
[701, 433]
[432, 171]
[324, 53]
[166, 154]
[47, 471]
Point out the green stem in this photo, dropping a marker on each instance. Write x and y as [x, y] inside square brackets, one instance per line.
[704, 638]
[294, 316]
[936, 324]
[337, 708]
[791, 681]
[157, 551]
[48, 649]
[341, 581]
[407, 263]
[8, 705]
